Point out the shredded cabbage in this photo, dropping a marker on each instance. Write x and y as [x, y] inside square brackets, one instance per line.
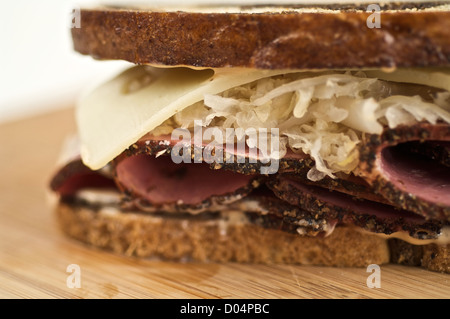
[323, 115]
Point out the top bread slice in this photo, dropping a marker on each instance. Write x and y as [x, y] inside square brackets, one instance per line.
[270, 37]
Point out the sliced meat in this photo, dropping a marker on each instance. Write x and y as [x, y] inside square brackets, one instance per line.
[344, 183]
[323, 204]
[74, 176]
[152, 182]
[160, 181]
[303, 209]
[407, 179]
[240, 161]
[267, 210]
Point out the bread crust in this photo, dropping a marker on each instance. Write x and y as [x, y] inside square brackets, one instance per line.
[288, 40]
[181, 239]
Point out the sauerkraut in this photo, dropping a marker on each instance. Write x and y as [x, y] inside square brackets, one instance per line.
[321, 114]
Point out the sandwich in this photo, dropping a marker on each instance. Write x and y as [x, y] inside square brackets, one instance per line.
[263, 134]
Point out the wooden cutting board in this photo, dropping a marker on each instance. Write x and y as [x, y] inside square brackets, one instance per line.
[34, 254]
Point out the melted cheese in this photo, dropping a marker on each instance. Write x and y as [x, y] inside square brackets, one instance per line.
[442, 239]
[435, 77]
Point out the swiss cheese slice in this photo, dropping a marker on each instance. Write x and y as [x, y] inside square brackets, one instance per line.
[434, 77]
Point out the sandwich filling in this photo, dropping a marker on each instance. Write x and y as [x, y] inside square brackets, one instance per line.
[366, 148]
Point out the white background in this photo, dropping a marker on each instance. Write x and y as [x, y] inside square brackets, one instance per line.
[38, 69]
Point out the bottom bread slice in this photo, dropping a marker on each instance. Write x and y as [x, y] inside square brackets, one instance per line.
[214, 239]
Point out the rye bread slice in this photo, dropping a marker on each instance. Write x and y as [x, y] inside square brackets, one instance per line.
[215, 240]
[220, 240]
[272, 38]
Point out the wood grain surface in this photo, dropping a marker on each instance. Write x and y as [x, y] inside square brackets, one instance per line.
[34, 254]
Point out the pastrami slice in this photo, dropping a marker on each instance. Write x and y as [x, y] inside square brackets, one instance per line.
[74, 176]
[161, 181]
[409, 180]
[232, 159]
[322, 204]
